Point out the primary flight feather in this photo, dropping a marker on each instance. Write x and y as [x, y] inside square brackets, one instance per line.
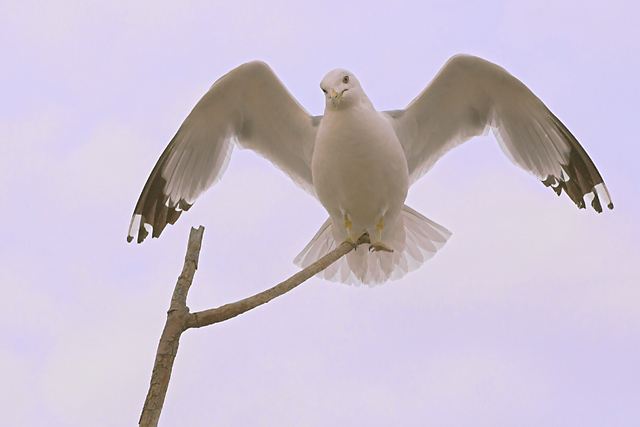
[358, 162]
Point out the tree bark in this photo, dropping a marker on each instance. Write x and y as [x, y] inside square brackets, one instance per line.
[174, 327]
[179, 319]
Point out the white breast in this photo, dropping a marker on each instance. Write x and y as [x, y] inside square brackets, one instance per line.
[359, 168]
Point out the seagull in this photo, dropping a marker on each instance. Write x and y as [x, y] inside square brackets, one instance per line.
[360, 162]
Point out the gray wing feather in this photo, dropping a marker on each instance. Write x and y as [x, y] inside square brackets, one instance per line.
[250, 106]
[470, 95]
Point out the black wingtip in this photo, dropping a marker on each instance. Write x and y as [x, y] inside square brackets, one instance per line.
[580, 176]
[142, 231]
[129, 239]
[595, 203]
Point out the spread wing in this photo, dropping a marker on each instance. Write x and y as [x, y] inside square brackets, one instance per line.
[470, 94]
[250, 106]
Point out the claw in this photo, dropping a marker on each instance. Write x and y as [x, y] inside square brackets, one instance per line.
[353, 239]
[379, 246]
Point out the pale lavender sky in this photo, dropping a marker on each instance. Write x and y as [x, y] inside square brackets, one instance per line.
[529, 316]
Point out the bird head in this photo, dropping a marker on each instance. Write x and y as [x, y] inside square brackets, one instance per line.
[341, 89]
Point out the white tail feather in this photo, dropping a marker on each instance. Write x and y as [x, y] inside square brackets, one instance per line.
[415, 240]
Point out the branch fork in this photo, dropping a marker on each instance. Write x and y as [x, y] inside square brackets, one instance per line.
[179, 319]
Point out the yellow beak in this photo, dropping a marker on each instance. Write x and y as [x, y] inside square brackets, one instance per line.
[335, 98]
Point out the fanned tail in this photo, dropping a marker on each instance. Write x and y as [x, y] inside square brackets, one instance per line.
[415, 240]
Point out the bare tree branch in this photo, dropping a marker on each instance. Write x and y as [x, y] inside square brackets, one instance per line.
[179, 319]
[174, 327]
[220, 314]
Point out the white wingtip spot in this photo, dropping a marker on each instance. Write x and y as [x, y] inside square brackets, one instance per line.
[133, 227]
[603, 194]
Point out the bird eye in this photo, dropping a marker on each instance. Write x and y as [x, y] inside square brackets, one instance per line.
[345, 79]
[324, 90]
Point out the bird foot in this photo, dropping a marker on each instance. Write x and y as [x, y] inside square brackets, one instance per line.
[354, 238]
[379, 246]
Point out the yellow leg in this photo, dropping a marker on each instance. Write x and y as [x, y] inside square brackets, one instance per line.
[353, 238]
[347, 223]
[379, 227]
